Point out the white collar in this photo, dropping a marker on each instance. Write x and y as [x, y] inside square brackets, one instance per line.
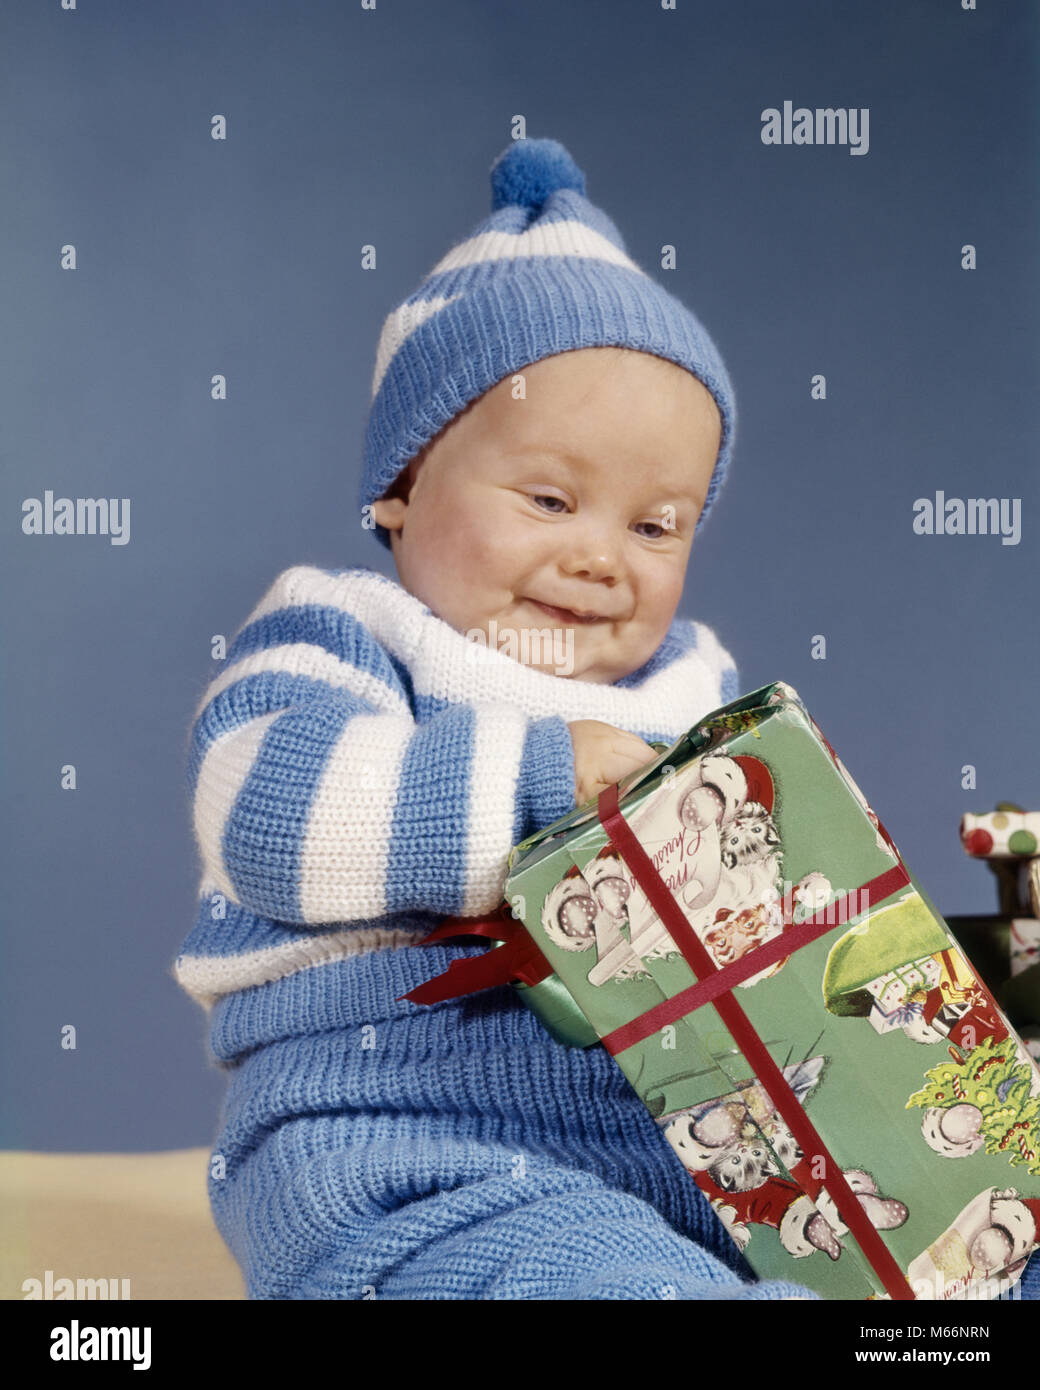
[676, 688]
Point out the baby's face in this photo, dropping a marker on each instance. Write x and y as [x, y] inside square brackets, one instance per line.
[572, 509]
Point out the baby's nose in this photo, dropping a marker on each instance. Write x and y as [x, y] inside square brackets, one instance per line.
[592, 555]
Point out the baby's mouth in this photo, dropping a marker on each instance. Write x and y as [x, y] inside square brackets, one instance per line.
[566, 615]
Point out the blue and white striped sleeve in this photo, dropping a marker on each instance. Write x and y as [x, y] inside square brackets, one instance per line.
[318, 798]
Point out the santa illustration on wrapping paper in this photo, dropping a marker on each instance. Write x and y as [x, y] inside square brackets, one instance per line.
[718, 850]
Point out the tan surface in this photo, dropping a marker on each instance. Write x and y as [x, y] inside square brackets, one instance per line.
[142, 1217]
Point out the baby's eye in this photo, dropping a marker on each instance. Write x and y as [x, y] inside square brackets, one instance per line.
[655, 526]
[539, 498]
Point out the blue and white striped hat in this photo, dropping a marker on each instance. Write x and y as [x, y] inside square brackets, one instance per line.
[546, 273]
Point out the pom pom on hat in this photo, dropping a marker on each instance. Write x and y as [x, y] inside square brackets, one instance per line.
[528, 171]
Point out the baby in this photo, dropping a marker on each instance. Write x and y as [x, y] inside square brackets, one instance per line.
[548, 431]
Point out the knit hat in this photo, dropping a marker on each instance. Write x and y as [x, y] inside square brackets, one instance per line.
[547, 272]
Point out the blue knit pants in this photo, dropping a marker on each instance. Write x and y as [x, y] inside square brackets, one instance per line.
[376, 1149]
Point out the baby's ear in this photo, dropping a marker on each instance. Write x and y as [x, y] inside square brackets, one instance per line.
[389, 512]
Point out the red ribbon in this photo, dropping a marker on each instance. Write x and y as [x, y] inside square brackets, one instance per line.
[754, 1050]
[517, 959]
[720, 981]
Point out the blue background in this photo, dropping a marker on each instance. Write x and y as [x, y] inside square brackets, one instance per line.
[242, 257]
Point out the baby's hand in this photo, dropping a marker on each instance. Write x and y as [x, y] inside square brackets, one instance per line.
[603, 755]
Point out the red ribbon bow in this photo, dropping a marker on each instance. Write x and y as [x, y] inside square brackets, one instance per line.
[518, 959]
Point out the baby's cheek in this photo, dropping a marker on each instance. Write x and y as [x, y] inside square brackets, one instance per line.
[660, 593]
[497, 553]
[474, 531]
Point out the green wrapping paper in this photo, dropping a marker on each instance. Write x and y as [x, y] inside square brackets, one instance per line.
[920, 1101]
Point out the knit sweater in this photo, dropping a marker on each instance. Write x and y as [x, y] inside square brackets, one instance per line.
[358, 771]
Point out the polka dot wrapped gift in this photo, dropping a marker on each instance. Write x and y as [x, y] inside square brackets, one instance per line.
[1007, 833]
[1006, 947]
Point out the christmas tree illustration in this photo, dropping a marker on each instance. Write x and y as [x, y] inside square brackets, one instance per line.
[995, 1081]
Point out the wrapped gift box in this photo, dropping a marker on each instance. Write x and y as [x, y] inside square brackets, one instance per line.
[1006, 947]
[1006, 841]
[735, 926]
[1009, 833]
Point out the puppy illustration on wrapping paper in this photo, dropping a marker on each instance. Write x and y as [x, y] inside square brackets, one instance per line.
[748, 1164]
[721, 859]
